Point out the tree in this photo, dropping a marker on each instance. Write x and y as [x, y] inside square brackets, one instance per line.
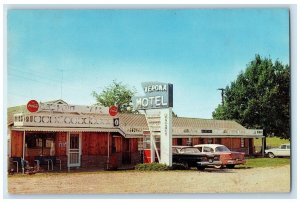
[116, 94]
[259, 98]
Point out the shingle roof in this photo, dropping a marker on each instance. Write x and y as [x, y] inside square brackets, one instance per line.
[139, 121]
[206, 123]
[134, 120]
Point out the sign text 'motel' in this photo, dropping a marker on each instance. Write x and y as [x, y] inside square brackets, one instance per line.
[158, 95]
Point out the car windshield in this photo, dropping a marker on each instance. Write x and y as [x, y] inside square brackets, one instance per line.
[190, 150]
[222, 149]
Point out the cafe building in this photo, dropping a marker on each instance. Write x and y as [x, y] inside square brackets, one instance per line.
[58, 136]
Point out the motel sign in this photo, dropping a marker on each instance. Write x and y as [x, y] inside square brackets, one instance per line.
[158, 95]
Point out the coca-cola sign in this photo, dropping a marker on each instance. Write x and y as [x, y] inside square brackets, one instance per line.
[32, 106]
[113, 110]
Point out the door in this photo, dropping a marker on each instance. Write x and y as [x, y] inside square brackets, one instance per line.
[126, 159]
[74, 152]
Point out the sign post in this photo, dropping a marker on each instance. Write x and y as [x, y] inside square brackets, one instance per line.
[158, 96]
[166, 136]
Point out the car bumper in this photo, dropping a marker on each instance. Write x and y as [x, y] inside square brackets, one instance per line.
[209, 163]
[235, 162]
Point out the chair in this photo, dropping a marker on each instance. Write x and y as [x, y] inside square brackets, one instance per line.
[47, 160]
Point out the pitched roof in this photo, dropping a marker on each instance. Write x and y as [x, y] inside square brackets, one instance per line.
[128, 121]
[139, 121]
[206, 123]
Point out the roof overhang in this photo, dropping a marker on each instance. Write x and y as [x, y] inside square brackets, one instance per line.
[218, 136]
[117, 130]
[55, 129]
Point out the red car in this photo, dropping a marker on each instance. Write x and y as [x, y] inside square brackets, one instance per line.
[228, 158]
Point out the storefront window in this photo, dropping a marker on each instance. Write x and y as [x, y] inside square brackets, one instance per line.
[40, 144]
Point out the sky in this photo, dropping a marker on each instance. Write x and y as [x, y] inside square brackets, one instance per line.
[67, 54]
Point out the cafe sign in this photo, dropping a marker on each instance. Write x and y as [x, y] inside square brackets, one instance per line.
[68, 108]
[158, 95]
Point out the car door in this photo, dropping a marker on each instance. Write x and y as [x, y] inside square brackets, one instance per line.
[286, 151]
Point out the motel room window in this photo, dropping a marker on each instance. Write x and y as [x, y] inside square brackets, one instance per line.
[146, 142]
[189, 142]
[242, 142]
[179, 141]
[217, 140]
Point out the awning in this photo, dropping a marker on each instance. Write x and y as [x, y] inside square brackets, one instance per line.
[55, 129]
[117, 130]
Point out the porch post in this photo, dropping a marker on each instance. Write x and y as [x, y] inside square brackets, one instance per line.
[68, 150]
[263, 146]
[152, 149]
[23, 161]
[108, 134]
[24, 144]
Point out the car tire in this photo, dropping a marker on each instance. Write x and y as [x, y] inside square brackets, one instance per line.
[186, 165]
[231, 166]
[201, 168]
[271, 155]
[219, 166]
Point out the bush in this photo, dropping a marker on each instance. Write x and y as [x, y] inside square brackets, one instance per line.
[152, 167]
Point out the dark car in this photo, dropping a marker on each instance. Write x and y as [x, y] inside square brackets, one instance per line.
[192, 157]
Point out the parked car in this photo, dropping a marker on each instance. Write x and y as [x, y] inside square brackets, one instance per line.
[192, 157]
[283, 150]
[228, 158]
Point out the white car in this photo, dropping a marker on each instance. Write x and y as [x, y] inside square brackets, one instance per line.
[282, 150]
[228, 158]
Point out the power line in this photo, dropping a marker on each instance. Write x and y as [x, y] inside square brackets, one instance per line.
[32, 79]
[33, 73]
[40, 81]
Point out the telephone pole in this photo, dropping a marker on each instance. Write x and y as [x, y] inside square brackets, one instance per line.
[222, 94]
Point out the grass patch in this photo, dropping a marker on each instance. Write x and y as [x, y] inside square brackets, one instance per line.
[152, 167]
[272, 141]
[265, 162]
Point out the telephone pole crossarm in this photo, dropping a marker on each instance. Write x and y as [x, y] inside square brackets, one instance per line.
[222, 94]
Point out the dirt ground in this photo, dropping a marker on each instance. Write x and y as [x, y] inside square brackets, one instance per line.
[270, 179]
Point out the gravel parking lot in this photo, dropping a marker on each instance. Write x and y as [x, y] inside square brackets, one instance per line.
[270, 179]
